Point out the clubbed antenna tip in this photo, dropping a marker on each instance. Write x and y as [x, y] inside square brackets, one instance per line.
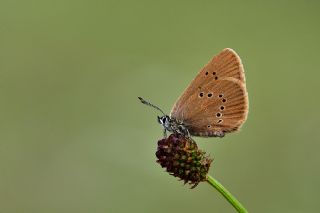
[150, 104]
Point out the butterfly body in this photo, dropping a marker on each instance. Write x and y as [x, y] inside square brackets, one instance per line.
[173, 125]
[215, 102]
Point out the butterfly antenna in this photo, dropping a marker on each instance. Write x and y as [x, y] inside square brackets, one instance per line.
[150, 104]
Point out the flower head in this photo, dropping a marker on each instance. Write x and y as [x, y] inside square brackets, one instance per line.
[182, 158]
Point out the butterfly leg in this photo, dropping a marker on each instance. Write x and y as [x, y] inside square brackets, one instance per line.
[192, 140]
[164, 133]
[187, 133]
[184, 131]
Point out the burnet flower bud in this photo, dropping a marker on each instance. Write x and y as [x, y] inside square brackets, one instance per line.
[182, 158]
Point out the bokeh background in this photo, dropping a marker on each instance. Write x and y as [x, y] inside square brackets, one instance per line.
[74, 137]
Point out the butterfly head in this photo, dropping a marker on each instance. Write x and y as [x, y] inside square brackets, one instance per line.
[169, 124]
[164, 121]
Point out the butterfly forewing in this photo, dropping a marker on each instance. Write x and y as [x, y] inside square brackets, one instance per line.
[216, 100]
[226, 64]
[222, 107]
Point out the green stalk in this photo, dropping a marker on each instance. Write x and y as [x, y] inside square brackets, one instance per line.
[230, 198]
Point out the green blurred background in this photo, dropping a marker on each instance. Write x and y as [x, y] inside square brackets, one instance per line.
[74, 137]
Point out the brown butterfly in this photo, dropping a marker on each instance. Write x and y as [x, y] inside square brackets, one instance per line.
[215, 102]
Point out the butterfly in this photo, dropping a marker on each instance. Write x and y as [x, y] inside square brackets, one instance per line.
[214, 103]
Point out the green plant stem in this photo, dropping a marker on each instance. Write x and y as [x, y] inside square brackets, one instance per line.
[230, 198]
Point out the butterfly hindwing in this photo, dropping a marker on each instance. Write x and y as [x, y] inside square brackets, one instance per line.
[216, 100]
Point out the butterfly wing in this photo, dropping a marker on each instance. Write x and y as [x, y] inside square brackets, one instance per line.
[216, 101]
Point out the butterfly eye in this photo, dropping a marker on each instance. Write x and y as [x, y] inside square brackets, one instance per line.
[224, 100]
[210, 95]
[164, 119]
[201, 94]
[220, 121]
[213, 73]
[209, 126]
[220, 96]
[222, 107]
[207, 73]
[216, 78]
[218, 114]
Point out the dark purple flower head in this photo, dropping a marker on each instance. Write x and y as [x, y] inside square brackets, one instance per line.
[182, 158]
